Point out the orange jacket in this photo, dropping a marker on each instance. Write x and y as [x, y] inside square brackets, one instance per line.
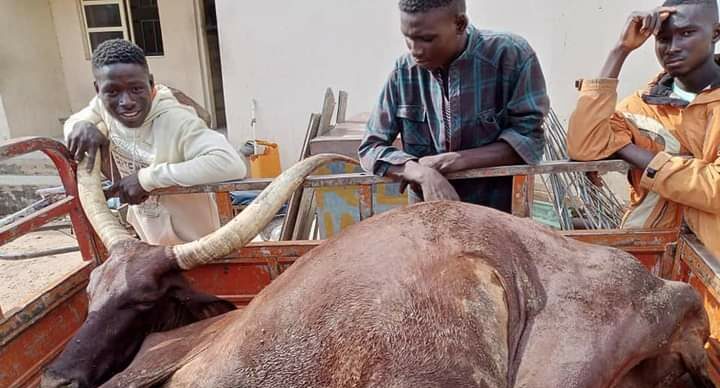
[683, 180]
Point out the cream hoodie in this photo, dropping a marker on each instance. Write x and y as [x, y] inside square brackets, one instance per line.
[173, 147]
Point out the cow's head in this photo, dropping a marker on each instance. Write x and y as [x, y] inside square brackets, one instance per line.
[140, 288]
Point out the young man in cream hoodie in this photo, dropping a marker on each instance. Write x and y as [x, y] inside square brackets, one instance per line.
[155, 142]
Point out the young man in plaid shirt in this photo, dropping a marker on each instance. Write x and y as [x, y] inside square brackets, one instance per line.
[462, 98]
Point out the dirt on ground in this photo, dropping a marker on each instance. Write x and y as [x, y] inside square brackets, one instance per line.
[22, 280]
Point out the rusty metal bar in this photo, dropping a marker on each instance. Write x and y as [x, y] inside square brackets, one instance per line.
[523, 195]
[365, 202]
[66, 167]
[225, 209]
[365, 179]
[28, 224]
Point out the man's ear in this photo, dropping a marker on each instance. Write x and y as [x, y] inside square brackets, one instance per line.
[97, 89]
[461, 22]
[152, 80]
[716, 33]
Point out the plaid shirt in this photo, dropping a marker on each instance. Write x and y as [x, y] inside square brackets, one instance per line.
[495, 91]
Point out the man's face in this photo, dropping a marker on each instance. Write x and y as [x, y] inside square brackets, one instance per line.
[432, 36]
[126, 91]
[686, 40]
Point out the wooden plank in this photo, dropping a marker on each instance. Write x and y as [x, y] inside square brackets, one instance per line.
[523, 194]
[305, 216]
[667, 262]
[326, 114]
[356, 179]
[342, 106]
[343, 145]
[699, 262]
[288, 227]
[650, 241]
[224, 205]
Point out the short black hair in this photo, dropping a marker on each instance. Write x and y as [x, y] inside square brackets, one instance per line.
[418, 6]
[115, 51]
[711, 5]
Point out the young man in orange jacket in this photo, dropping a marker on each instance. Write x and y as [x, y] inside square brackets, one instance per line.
[670, 131]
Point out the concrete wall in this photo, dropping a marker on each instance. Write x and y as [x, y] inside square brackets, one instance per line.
[182, 65]
[34, 94]
[4, 125]
[285, 59]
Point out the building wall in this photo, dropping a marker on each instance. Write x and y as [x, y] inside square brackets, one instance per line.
[182, 65]
[285, 60]
[4, 126]
[34, 94]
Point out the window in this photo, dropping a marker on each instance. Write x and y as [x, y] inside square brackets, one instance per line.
[135, 20]
[146, 26]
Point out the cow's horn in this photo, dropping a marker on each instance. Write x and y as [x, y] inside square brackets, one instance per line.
[246, 225]
[95, 205]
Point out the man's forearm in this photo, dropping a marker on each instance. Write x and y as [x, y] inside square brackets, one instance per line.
[499, 153]
[635, 155]
[614, 63]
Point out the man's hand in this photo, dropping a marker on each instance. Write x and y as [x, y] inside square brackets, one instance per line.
[129, 190]
[443, 163]
[86, 139]
[641, 25]
[433, 184]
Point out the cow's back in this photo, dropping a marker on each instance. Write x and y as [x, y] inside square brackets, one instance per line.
[451, 294]
[392, 302]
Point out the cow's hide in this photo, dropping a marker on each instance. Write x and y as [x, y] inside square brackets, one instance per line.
[445, 295]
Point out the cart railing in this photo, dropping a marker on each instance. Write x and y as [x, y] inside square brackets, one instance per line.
[70, 204]
[91, 248]
[523, 182]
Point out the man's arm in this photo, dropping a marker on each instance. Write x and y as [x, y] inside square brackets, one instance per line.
[496, 154]
[376, 151]
[378, 156]
[692, 182]
[596, 130]
[208, 158]
[523, 141]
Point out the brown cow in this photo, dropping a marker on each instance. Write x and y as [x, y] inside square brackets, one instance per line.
[457, 296]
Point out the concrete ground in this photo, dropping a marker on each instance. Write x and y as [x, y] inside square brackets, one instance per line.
[23, 280]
